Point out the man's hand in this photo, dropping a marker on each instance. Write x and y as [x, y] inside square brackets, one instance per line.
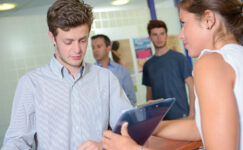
[152, 101]
[112, 141]
[90, 145]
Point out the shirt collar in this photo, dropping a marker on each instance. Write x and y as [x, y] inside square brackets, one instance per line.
[58, 68]
[111, 64]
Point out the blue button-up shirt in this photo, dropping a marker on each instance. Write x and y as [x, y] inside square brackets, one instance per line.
[124, 78]
[61, 111]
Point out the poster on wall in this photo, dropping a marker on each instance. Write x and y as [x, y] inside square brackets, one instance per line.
[122, 54]
[173, 43]
[143, 50]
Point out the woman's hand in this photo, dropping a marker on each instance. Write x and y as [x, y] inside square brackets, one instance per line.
[112, 141]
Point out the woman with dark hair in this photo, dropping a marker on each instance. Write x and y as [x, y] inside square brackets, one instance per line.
[114, 51]
[212, 31]
[116, 56]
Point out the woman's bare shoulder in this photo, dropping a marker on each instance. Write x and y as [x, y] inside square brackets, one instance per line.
[211, 71]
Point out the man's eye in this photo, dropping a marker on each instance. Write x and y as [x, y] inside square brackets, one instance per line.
[67, 42]
[83, 41]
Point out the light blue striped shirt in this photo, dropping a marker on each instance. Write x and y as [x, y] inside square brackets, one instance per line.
[124, 78]
[63, 112]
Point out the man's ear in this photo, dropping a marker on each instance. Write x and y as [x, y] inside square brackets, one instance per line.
[52, 38]
[149, 38]
[109, 48]
[209, 19]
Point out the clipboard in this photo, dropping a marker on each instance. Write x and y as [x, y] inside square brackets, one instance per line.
[144, 119]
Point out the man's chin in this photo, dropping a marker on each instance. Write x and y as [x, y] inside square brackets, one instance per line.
[77, 65]
[159, 47]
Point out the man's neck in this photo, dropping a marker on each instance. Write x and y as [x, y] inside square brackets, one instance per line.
[71, 69]
[161, 51]
[104, 63]
[74, 73]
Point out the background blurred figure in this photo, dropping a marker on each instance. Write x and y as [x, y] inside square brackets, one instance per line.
[101, 46]
[115, 54]
[166, 73]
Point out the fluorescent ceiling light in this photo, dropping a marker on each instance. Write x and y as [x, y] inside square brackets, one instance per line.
[119, 2]
[7, 6]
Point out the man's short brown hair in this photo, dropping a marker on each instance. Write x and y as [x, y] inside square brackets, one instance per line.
[66, 14]
[156, 24]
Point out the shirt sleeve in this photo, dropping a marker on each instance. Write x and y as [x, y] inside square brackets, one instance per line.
[21, 131]
[146, 80]
[128, 87]
[118, 100]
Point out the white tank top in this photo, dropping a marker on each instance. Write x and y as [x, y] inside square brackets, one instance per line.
[233, 55]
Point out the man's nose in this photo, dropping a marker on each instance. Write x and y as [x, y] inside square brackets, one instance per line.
[181, 35]
[77, 48]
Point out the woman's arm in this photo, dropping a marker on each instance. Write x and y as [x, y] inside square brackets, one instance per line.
[176, 129]
[185, 130]
[214, 82]
[190, 85]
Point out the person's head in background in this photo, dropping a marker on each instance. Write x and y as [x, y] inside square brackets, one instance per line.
[115, 45]
[157, 31]
[101, 46]
[210, 24]
[69, 23]
[114, 48]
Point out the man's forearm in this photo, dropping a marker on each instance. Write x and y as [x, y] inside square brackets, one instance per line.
[148, 93]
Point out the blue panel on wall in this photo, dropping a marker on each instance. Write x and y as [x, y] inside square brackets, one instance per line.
[152, 9]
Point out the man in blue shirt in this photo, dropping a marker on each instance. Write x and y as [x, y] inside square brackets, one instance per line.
[166, 73]
[66, 104]
[101, 46]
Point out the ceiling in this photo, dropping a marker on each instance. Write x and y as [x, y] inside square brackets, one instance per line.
[96, 4]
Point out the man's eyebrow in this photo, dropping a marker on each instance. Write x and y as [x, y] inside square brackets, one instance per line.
[70, 39]
[84, 37]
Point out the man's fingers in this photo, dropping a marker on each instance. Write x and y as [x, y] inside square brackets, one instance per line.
[105, 142]
[85, 145]
[108, 134]
[89, 145]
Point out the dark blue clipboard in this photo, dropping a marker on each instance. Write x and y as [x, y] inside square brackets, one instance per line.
[144, 119]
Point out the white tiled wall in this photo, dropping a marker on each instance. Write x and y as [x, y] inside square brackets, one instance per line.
[24, 45]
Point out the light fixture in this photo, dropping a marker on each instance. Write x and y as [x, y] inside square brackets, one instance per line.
[119, 2]
[7, 6]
